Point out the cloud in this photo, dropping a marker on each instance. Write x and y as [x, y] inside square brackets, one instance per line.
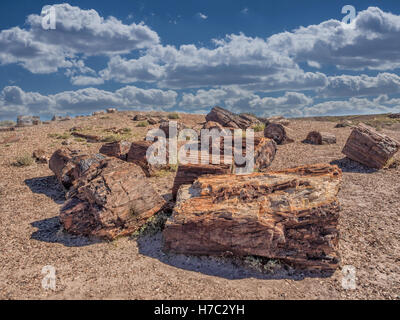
[13, 100]
[369, 42]
[245, 10]
[362, 85]
[77, 31]
[239, 100]
[202, 16]
[235, 60]
[86, 81]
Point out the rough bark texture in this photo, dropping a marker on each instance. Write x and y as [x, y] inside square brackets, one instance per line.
[110, 200]
[188, 173]
[118, 149]
[69, 165]
[228, 119]
[165, 124]
[278, 133]
[315, 137]
[369, 147]
[290, 215]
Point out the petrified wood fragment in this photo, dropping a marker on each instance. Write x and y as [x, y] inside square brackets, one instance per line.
[111, 200]
[316, 137]
[69, 165]
[228, 119]
[88, 137]
[290, 215]
[369, 147]
[277, 132]
[117, 149]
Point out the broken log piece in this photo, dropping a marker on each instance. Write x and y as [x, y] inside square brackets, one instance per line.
[10, 139]
[367, 146]
[316, 137]
[228, 119]
[290, 215]
[88, 137]
[278, 133]
[188, 173]
[110, 201]
[264, 151]
[117, 149]
[69, 165]
[7, 129]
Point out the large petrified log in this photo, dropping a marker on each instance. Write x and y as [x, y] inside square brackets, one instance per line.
[188, 173]
[69, 165]
[369, 147]
[317, 137]
[277, 132]
[118, 149]
[290, 215]
[110, 200]
[228, 119]
[137, 155]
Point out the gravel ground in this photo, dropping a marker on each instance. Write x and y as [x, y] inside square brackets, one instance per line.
[129, 268]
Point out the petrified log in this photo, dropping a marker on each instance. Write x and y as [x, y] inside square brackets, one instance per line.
[165, 126]
[264, 151]
[40, 156]
[290, 215]
[394, 116]
[137, 155]
[69, 165]
[8, 129]
[228, 119]
[369, 147]
[343, 124]
[188, 173]
[88, 137]
[316, 137]
[278, 133]
[118, 149]
[114, 199]
[10, 139]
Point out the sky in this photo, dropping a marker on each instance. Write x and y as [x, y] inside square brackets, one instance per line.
[291, 58]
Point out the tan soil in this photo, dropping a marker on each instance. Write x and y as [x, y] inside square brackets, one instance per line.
[128, 268]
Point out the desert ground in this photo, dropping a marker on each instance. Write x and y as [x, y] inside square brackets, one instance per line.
[136, 267]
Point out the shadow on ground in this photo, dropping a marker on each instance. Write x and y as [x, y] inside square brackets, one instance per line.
[348, 165]
[228, 268]
[48, 186]
[50, 230]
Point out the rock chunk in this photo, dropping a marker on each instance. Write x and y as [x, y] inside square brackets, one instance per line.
[367, 146]
[316, 137]
[290, 215]
[278, 133]
[229, 119]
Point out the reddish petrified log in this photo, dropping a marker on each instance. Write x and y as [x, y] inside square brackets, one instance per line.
[110, 200]
[88, 137]
[117, 149]
[69, 165]
[316, 137]
[369, 147]
[228, 119]
[278, 133]
[290, 215]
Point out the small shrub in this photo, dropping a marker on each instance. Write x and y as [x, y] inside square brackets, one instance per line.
[142, 124]
[153, 225]
[113, 138]
[80, 140]
[173, 116]
[259, 127]
[23, 161]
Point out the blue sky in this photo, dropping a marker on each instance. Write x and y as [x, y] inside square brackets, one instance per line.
[294, 58]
